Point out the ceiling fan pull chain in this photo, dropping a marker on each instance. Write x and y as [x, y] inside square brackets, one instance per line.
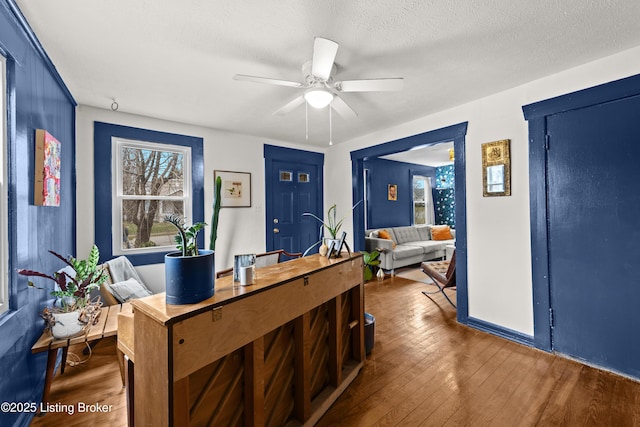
[306, 121]
[330, 127]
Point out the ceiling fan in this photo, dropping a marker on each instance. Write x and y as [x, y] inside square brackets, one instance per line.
[320, 87]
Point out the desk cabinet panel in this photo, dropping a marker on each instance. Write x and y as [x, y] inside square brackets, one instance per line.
[279, 354]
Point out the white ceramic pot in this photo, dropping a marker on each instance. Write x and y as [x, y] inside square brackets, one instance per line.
[67, 325]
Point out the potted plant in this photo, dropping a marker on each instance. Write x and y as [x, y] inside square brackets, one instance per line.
[331, 224]
[73, 311]
[189, 272]
[370, 260]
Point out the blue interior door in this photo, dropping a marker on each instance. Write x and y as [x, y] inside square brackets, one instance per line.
[294, 183]
[594, 226]
[294, 194]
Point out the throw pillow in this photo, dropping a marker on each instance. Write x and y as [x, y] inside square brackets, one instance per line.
[129, 289]
[442, 232]
[384, 234]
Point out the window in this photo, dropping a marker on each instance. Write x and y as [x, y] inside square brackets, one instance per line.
[150, 181]
[4, 223]
[139, 176]
[421, 200]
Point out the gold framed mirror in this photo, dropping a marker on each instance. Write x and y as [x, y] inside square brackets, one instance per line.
[496, 168]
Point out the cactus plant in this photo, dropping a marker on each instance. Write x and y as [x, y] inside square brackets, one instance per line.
[216, 213]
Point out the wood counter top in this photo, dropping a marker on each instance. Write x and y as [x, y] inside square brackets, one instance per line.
[226, 291]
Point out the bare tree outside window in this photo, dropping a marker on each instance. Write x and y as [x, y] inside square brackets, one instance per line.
[420, 201]
[152, 185]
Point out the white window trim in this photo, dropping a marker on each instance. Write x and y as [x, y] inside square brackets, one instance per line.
[118, 197]
[4, 214]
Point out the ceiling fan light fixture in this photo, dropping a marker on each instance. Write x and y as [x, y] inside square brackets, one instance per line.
[318, 97]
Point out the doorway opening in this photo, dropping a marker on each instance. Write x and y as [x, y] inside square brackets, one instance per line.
[456, 134]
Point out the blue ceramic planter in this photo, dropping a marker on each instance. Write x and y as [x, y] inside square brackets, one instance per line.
[189, 279]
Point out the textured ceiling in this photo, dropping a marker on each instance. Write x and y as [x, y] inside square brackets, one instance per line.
[175, 60]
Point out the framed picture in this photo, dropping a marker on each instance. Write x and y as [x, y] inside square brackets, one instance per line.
[46, 190]
[392, 192]
[236, 188]
[342, 243]
[331, 248]
[496, 168]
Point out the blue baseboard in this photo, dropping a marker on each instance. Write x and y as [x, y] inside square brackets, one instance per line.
[500, 331]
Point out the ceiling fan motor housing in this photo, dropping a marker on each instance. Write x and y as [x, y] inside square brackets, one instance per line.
[312, 80]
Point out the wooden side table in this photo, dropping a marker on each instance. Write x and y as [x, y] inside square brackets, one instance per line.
[106, 326]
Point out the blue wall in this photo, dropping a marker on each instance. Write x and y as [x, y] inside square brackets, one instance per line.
[37, 99]
[389, 213]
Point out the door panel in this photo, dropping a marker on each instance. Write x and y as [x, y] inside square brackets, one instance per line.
[295, 191]
[594, 225]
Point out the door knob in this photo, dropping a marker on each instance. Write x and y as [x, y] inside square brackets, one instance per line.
[276, 231]
[275, 220]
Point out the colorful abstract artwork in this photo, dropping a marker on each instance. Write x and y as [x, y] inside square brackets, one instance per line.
[47, 170]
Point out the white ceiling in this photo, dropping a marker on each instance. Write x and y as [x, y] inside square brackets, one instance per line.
[431, 155]
[175, 60]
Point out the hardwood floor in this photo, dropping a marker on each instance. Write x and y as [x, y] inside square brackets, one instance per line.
[96, 381]
[425, 369]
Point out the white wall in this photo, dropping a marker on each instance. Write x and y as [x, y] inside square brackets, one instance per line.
[240, 230]
[498, 228]
[499, 254]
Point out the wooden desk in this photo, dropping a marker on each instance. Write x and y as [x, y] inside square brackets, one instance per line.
[106, 326]
[278, 352]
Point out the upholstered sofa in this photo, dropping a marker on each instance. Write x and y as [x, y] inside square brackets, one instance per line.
[407, 245]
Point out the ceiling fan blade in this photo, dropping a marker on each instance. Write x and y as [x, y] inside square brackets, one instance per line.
[342, 108]
[324, 54]
[266, 80]
[371, 85]
[289, 106]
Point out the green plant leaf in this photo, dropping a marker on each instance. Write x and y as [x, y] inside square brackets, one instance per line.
[368, 274]
[93, 258]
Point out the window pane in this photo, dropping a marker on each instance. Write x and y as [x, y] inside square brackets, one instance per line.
[143, 223]
[152, 172]
[419, 213]
[418, 189]
[4, 199]
[286, 176]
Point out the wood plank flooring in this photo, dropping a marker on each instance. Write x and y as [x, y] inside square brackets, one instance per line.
[425, 369]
